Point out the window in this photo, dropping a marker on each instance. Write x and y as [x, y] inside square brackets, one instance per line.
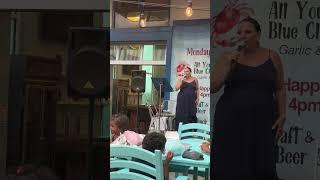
[151, 95]
[139, 54]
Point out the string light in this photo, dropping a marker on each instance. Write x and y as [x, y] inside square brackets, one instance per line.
[189, 10]
[142, 20]
[175, 6]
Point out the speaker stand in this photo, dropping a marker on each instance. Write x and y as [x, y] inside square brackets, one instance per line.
[160, 84]
[90, 128]
[137, 118]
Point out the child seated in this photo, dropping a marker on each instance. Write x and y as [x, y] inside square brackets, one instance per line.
[120, 134]
[157, 141]
[118, 124]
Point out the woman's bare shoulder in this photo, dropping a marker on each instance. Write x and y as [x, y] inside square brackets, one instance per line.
[270, 53]
[194, 79]
[274, 55]
[275, 58]
[265, 51]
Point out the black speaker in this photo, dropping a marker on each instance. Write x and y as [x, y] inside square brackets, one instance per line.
[88, 62]
[138, 81]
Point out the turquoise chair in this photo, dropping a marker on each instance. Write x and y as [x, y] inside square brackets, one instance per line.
[195, 132]
[121, 159]
[200, 131]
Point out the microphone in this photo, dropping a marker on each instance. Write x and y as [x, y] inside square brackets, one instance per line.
[234, 61]
[241, 44]
[184, 75]
[239, 48]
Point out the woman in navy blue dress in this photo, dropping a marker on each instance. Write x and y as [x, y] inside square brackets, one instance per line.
[250, 114]
[188, 98]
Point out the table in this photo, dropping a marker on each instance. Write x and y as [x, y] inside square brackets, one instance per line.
[166, 121]
[170, 118]
[172, 137]
[180, 161]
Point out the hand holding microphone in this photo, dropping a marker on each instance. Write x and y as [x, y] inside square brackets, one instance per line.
[234, 56]
[181, 78]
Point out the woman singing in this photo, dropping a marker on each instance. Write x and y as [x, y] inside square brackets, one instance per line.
[250, 114]
[188, 98]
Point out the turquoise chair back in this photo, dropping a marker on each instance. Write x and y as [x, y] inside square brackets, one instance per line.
[121, 158]
[201, 131]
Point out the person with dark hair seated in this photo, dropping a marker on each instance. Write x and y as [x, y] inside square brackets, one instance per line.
[156, 141]
[118, 125]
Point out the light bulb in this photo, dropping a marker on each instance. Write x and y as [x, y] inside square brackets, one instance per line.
[189, 11]
[142, 21]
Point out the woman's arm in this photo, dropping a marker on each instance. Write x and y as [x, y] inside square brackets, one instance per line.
[280, 94]
[179, 83]
[197, 91]
[221, 71]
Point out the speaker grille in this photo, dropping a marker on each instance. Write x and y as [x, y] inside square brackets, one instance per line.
[88, 72]
[138, 81]
[89, 66]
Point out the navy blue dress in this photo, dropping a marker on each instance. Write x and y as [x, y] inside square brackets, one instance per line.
[186, 109]
[243, 140]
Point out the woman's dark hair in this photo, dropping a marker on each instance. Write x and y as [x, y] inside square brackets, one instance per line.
[121, 121]
[252, 21]
[154, 141]
[189, 68]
